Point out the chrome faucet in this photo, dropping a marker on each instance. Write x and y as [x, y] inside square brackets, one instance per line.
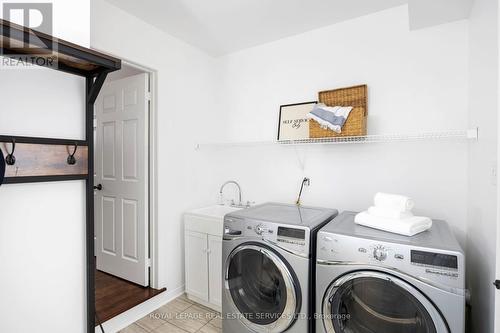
[240, 204]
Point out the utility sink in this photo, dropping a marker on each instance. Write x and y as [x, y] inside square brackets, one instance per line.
[209, 220]
[217, 211]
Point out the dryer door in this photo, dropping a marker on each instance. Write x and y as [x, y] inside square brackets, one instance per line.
[261, 288]
[366, 302]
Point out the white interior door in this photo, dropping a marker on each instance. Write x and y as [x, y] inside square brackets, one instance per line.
[121, 166]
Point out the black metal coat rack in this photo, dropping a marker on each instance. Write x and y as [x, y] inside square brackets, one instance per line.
[32, 159]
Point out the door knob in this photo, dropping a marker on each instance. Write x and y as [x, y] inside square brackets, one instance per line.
[98, 187]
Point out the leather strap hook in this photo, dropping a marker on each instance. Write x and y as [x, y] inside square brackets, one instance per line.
[71, 158]
[10, 159]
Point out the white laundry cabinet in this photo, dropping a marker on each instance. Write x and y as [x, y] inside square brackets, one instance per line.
[203, 255]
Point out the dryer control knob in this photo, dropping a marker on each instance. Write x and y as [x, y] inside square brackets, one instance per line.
[260, 229]
[380, 253]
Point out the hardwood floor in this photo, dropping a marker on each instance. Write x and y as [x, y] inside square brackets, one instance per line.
[114, 296]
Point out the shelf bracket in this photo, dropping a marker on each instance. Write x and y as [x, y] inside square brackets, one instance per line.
[96, 87]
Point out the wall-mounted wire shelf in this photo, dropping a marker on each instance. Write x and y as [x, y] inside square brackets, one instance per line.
[470, 134]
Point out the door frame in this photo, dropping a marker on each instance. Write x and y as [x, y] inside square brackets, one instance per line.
[153, 168]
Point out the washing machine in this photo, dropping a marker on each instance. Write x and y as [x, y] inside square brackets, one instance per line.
[268, 268]
[371, 281]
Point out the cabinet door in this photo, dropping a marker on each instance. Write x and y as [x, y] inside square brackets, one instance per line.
[215, 269]
[196, 265]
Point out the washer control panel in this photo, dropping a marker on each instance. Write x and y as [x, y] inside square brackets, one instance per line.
[443, 266]
[294, 238]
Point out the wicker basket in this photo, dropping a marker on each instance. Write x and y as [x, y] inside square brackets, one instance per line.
[355, 124]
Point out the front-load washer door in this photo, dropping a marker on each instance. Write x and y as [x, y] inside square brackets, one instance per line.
[262, 289]
[375, 302]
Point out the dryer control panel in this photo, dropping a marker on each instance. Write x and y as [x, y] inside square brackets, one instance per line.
[290, 237]
[441, 266]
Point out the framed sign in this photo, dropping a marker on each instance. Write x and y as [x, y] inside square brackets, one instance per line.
[293, 123]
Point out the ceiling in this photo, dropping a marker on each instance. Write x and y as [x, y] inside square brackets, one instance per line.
[225, 26]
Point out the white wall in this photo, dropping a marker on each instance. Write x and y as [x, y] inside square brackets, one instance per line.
[185, 98]
[42, 226]
[417, 81]
[482, 207]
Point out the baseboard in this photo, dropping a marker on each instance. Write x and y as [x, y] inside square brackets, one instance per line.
[129, 317]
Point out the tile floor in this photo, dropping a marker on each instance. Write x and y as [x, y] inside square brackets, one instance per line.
[179, 316]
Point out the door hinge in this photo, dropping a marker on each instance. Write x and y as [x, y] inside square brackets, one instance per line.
[148, 96]
[148, 262]
[497, 284]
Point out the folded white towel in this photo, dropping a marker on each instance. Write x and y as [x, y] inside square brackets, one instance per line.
[393, 202]
[389, 213]
[407, 227]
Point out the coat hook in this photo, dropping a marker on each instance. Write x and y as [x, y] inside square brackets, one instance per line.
[2, 167]
[10, 159]
[71, 158]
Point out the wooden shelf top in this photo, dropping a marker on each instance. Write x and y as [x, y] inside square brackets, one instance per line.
[23, 44]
